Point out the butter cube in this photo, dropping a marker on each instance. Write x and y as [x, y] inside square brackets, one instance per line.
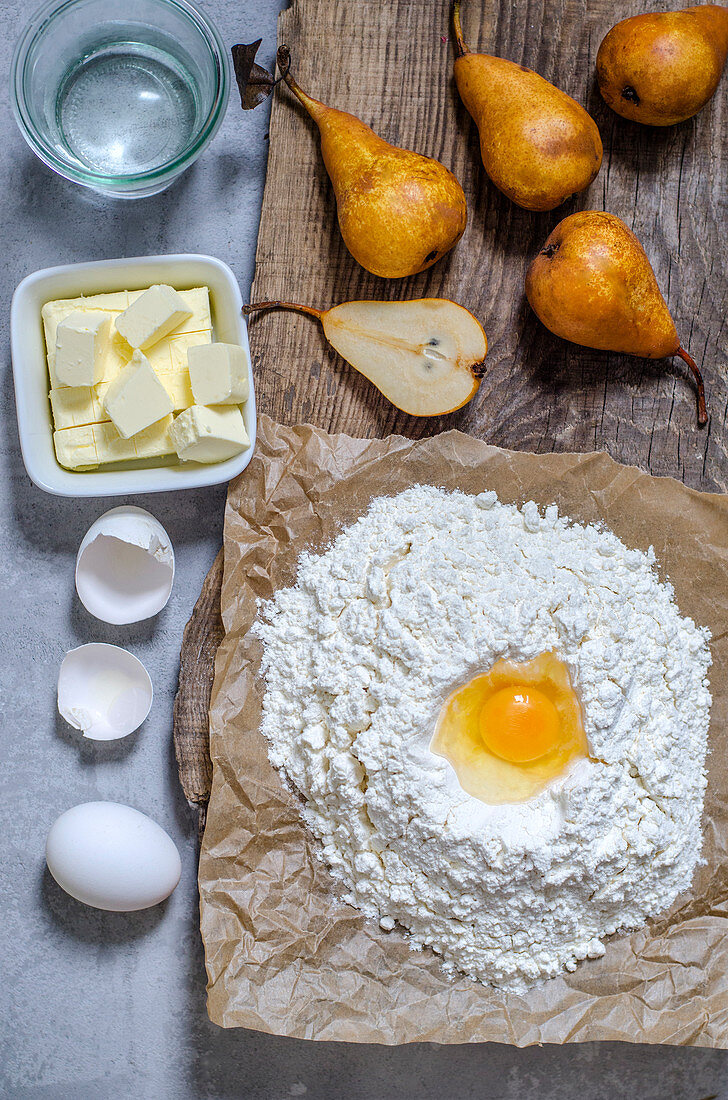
[177, 386]
[117, 355]
[54, 312]
[82, 341]
[151, 316]
[76, 405]
[96, 444]
[197, 300]
[206, 433]
[218, 374]
[136, 398]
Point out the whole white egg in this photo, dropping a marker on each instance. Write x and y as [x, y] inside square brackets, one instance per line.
[112, 857]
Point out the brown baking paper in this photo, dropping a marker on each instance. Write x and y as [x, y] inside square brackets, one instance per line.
[284, 955]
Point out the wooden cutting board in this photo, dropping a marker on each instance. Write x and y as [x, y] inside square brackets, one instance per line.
[391, 64]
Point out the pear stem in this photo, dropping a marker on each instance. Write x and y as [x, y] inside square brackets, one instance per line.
[317, 313]
[460, 48]
[283, 58]
[702, 411]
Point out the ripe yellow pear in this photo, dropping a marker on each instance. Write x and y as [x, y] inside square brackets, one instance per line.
[398, 211]
[592, 284]
[662, 67]
[426, 355]
[538, 145]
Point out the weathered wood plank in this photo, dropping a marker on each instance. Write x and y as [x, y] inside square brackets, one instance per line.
[202, 636]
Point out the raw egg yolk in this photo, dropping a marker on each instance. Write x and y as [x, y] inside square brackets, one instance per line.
[511, 731]
[519, 724]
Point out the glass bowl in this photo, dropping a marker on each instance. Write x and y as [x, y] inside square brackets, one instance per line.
[119, 95]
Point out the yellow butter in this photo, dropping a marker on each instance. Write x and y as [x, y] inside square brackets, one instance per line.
[179, 389]
[177, 386]
[74, 406]
[218, 374]
[170, 356]
[82, 340]
[82, 406]
[96, 444]
[154, 314]
[209, 433]
[136, 398]
[119, 353]
[197, 300]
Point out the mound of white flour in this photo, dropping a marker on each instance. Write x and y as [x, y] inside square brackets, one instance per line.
[424, 591]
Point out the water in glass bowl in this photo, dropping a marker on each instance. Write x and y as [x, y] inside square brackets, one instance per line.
[126, 107]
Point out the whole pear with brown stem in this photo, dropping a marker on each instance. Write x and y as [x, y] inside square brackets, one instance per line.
[592, 284]
[662, 67]
[538, 145]
[399, 212]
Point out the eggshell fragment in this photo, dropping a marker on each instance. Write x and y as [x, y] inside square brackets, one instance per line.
[104, 691]
[112, 857]
[125, 566]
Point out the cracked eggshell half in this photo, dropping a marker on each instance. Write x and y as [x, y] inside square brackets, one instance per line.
[103, 690]
[112, 857]
[125, 566]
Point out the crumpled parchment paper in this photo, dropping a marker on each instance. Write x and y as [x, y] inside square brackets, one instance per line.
[283, 954]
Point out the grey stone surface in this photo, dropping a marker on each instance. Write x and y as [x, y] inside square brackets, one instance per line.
[99, 1005]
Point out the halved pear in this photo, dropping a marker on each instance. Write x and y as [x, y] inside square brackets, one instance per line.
[426, 355]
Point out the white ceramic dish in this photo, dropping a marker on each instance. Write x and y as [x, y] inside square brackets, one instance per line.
[30, 371]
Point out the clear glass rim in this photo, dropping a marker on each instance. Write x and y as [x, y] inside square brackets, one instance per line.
[39, 24]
